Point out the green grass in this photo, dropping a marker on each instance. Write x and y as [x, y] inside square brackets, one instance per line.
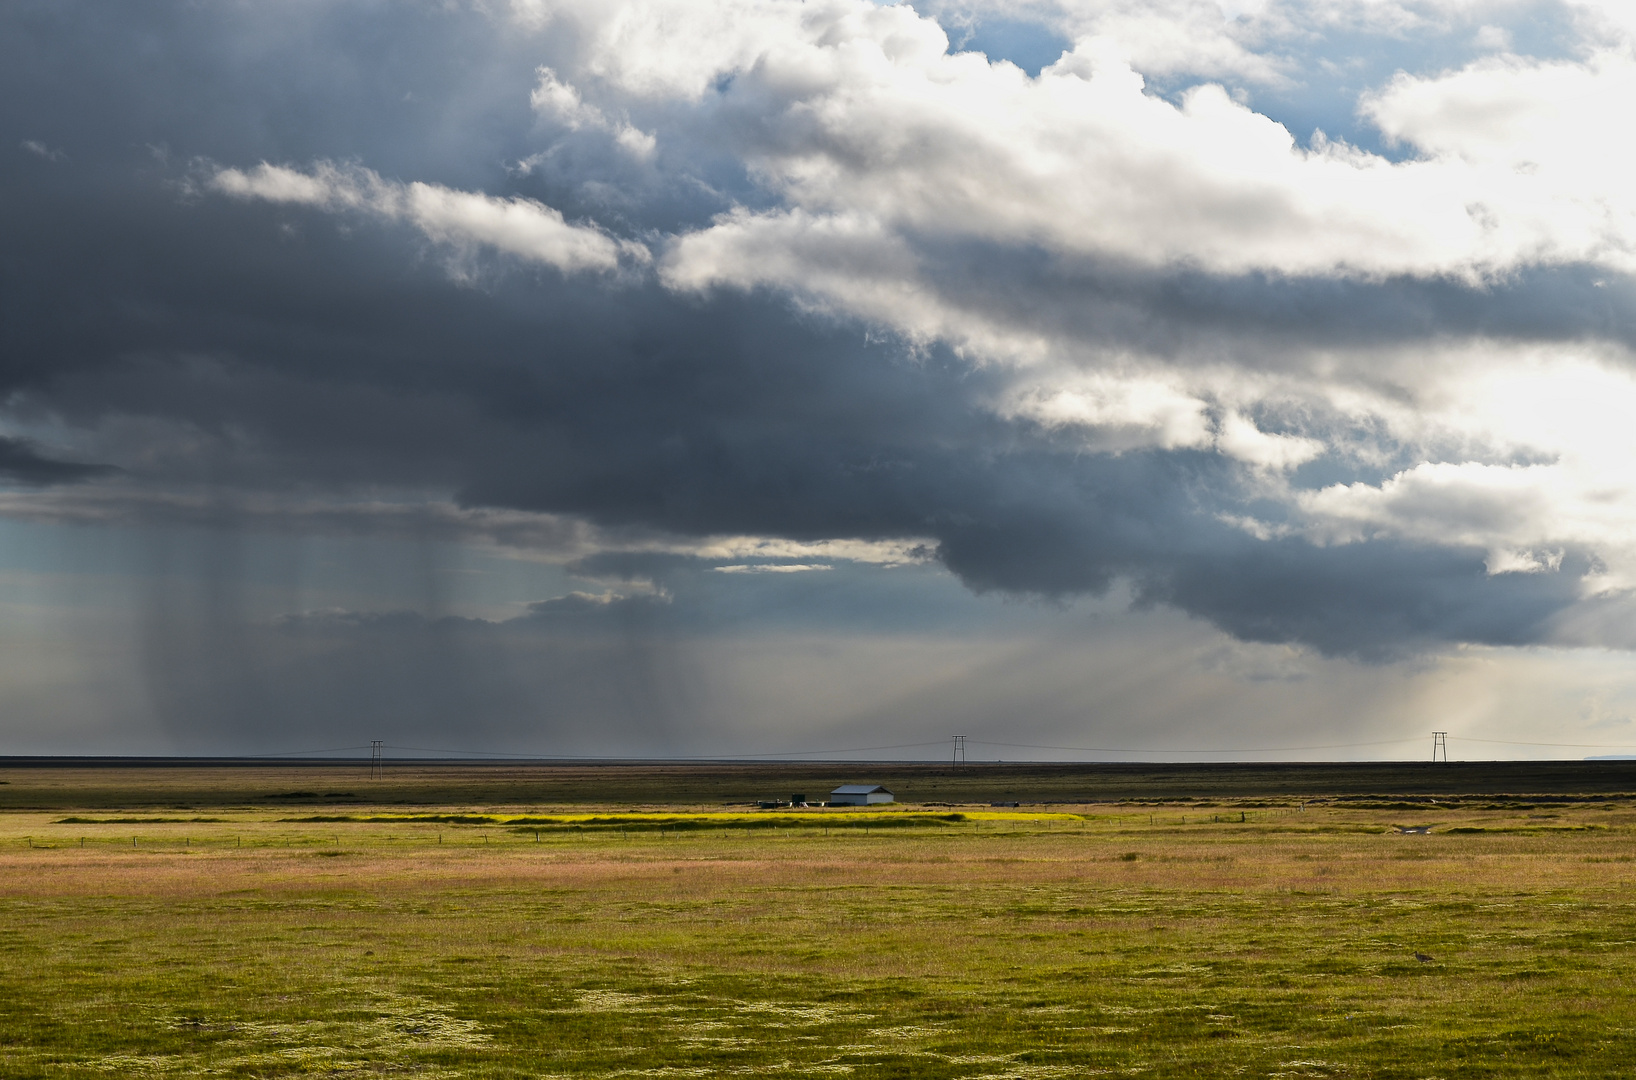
[969, 943]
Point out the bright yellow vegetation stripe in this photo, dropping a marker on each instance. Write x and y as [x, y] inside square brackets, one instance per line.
[897, 817]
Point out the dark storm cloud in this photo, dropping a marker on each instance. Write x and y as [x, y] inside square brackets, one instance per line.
[247, 349]
[1272, 320]
[21, 461]
[1378, 601]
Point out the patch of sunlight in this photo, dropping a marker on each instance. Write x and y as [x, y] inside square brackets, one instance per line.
[1176, 969]
[134, 1065]
[1304, 1068]
[617, 1001]
[804, 1013]
[699, 1027]
[401, 1024]
[1040, 1072]
[907, 1031]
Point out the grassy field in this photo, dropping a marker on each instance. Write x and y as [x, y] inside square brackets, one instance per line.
[161, 933]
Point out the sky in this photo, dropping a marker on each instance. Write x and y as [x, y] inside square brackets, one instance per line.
[1098, 379]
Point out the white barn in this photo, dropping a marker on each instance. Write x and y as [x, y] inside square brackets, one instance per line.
[859, 795]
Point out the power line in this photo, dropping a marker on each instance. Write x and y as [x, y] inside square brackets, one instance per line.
[444, 751]
[685, 757]
[1286, 749]
[1173, 750]
[301, 753]
[850, 750]
[474, 753]
[1576, 745]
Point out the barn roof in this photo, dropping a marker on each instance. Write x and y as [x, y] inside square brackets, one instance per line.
[858, 789]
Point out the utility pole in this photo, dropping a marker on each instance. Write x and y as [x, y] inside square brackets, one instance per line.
[1440, 742]
[376, 766]
[959, 755]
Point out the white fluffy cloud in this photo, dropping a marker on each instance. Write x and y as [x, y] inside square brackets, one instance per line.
[522, 228]
[557, 101]
[1116, 410]
[879, 146]
[1539, 457]
[1516, 113]
[867, 120]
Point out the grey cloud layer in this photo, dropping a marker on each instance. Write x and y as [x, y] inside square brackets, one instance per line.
[23, 463]
[396, 331]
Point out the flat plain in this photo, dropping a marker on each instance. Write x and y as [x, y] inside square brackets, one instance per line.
[554, 921]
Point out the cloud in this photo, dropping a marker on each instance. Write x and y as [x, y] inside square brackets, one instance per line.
[557, 101]
[1381, 601]
[41, 150]
[824, 293]
[21, 462]
[1115, 410]
[579, 610]
[1240, 438]
[545, 537]
[520, 227]
[878, 143]
[1535, 462]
